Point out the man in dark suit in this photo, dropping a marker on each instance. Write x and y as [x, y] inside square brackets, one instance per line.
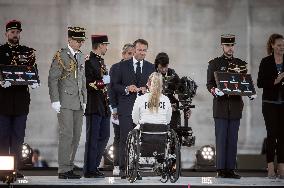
[128, 81]
[127, 53]
[97, 111]
[14, 99]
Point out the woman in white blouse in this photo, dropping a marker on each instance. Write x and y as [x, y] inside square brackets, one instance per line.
[152, 107]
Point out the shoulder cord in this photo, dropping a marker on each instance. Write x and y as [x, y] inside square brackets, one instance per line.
[69, 70]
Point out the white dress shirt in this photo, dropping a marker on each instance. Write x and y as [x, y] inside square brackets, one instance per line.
[135, 65]
[72, 51]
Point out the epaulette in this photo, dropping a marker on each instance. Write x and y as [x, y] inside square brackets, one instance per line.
[70, 69]
[27, 49]
[242, 61]
[56, 54]
[213, 60]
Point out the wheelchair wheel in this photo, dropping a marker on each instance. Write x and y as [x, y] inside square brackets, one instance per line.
[132, 155]
[174, 162]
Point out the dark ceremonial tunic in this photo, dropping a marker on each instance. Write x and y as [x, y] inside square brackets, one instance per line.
[227, 106]
[97, 101]
[15, 99]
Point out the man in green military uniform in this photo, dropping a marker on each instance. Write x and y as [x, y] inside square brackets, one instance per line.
[67, 90]
[14, 99]
[227, 109]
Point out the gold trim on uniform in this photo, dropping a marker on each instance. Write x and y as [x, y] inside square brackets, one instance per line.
[93, 85]
[236, 68]
[72, 66]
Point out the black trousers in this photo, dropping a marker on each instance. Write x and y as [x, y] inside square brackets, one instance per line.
[274, 121]
[125, 125]
[116, 129]
[175, 120]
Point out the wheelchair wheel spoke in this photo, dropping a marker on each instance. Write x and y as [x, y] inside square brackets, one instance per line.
[174, 166]
[132, 157]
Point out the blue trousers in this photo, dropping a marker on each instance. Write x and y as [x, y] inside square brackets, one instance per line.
[226, 132]
[12, 134]
[97, 135]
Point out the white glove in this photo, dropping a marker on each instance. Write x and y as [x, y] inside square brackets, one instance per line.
[84, 107]
[56, 106]
[35, 85]
[6, 84]
[106, 79]
[252, 97]
[217, 92]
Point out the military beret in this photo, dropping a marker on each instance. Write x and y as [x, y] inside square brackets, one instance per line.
[228, 39]
[14, 24]
[100, 39]
[77, 33]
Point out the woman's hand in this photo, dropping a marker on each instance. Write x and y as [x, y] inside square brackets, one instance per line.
[279, 78]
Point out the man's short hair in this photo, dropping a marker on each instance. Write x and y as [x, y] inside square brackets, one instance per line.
[142, 41]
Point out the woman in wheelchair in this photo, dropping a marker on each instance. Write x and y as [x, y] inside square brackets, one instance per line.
[152, 146]
[152, 107]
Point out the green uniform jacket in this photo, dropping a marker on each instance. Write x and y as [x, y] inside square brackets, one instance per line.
[67, 81]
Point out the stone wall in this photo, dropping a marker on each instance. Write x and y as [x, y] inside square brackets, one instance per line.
[188, 30]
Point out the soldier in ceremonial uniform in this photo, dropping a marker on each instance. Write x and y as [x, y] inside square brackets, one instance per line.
[97, 111]
[67, 90]
[14, 99]
[227, 109]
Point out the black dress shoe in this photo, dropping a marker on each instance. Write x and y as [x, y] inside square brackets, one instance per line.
[122, 174]
[139, 177]
[94, 175]
[221, 173]
[99, 172]
[20, 175]
[68, 175]
[232, 174]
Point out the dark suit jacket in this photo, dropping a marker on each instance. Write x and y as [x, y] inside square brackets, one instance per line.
[266, 76]
[96, 99]
[113, 100]
[124, 77]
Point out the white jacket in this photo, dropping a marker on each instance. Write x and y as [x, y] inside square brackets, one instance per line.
[141, 113]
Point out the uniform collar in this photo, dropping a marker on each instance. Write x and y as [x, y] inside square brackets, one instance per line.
[72, 51]
[12, 46]
[96, 55]
[227, 58]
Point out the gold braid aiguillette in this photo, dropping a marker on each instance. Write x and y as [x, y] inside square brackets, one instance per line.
[71, 68]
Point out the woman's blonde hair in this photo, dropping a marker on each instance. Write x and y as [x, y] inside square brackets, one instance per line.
[155, 84]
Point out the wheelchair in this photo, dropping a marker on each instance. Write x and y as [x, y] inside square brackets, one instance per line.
[153, 148]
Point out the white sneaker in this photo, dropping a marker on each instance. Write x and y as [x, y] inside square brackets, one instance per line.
[115, 171]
